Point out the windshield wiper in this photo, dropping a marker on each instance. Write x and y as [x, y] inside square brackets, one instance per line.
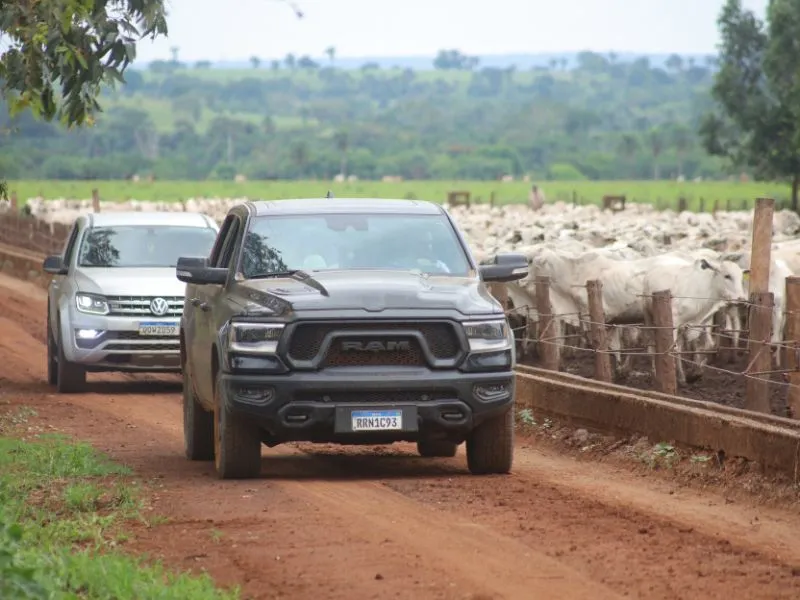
[297, 274]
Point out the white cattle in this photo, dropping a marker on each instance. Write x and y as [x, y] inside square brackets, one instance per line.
[699, 288]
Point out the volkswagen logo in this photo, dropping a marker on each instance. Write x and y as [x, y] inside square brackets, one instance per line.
[159, 307]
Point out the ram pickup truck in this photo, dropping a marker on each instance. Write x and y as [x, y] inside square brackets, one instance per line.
[352, 321]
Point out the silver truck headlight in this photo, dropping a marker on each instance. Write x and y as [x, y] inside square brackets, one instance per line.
[92, 304]
[488, 336]
[254, 338]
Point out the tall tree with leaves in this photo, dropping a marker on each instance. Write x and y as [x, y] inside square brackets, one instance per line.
[59, 53]
[756, 123]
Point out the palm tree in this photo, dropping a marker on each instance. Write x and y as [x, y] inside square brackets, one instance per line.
[342, 143]
[681, 142]
[628, 147]
[300, 157]
[331, 52]
[656, 142]
[255, 62]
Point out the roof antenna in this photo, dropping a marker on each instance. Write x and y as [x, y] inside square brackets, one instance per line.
[329, 194]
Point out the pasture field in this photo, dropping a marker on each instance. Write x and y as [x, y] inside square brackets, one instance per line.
[63, 514]
[662, 194]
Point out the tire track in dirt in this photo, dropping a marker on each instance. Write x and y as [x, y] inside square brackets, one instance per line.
[338, 522]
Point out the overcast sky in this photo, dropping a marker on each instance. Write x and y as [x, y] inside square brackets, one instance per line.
[202, 29]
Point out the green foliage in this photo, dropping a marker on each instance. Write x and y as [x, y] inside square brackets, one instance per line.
[62, 51]
[297, 120]
[756, 121]
[63, 508]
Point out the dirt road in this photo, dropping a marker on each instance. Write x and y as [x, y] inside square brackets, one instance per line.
[337, 522]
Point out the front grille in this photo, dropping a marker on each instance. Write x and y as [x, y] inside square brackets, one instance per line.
[134, 335]
[307, 338]
[370, 397]
[140, 306]
[410, 357]
[152, 347]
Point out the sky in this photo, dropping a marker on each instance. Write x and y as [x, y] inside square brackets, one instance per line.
[359, 28]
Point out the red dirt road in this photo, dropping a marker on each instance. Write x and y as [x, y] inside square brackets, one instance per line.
[339, 522]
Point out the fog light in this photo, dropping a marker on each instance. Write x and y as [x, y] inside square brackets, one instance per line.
[491, 392]
[88, 334]
[255, 395]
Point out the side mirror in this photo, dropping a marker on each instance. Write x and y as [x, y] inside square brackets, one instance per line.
[504, 268]
[191, 269]
[54, 265]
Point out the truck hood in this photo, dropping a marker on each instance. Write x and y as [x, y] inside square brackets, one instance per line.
[373, 291]
[130, 282]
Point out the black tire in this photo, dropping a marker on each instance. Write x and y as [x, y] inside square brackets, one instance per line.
[490, 446]
[437, 448]
[52, 361]
[237, 443]
[198, 425]
[70, 377]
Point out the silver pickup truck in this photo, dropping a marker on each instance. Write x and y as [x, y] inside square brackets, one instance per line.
[114, 303]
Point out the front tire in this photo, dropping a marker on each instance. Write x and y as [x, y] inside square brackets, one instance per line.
[437, 448]
[237, 443]
[52, 361]
[70, 377]
[490, 446]
[198, 424]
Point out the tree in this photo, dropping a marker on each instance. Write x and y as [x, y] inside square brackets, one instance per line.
[756, 120]
[681, 141]
[342, 143]
[656, 143]
[255, 62]
[331, 52]
[72, 47]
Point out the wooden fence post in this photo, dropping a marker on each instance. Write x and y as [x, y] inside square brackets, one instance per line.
[760, 355]
[792, 345]
[762, 245]
[500, 292]
[597, 326]
[725, 351]
[548, 333]
[95, 200]
[666, 375]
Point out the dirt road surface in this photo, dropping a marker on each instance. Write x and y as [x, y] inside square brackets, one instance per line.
[339, 522]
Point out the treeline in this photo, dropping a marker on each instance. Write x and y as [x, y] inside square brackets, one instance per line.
[297, 118]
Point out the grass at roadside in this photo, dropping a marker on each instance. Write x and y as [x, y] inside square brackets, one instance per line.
[63, 513]
[662, 194]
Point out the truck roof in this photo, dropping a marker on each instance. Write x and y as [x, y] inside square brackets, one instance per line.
[150, 217]
[304, 206]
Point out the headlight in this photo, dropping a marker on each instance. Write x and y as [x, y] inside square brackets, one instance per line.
[254, 338]
[91, 304]
[488, 336]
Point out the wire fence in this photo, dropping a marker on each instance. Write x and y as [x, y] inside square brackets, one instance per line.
[29, 233]
[769, 369]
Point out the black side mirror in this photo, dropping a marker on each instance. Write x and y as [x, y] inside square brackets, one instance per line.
[504, 268]
[54, 265]
[191, 269]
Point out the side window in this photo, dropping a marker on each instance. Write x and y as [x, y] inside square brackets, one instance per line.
[230, 244]
[222, 237]
[72, 242]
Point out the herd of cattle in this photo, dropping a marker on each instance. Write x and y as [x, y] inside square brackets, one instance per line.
[703, 259]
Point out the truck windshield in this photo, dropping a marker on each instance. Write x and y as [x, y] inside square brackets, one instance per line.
[426, 243]
[148, 246]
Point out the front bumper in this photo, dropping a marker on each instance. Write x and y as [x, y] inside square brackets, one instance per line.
[316, 406]
[118, 345]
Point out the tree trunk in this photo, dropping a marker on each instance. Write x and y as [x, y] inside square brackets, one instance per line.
[795, 185]
[343, 165]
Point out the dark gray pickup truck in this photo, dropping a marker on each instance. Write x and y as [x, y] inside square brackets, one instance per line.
[352, 321]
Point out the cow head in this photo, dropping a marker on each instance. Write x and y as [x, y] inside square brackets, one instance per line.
[726, 279]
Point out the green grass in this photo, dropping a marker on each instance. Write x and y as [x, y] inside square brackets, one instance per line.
[63, 511]
[663, 194]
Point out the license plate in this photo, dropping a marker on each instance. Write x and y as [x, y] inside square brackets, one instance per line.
[376, 420]
[159, 329]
